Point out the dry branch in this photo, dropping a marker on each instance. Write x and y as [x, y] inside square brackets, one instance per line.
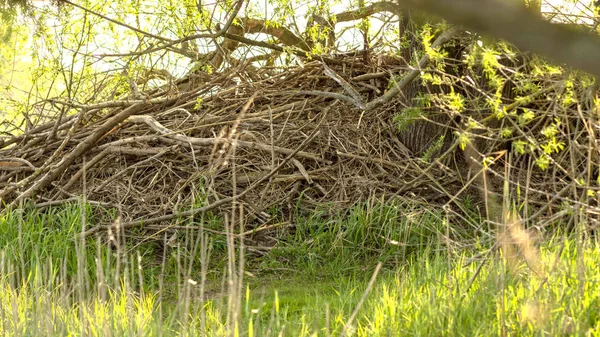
[156, 126]
[84, 146]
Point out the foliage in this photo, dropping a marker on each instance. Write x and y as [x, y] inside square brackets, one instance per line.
[9, 10]
[30, 237]
[390, 233]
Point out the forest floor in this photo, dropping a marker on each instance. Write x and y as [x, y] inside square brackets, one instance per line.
[383, 270]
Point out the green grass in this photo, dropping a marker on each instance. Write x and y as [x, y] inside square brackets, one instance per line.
[348, 243]
[308, 286]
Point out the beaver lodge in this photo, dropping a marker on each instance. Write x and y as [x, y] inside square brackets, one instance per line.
[279, 142]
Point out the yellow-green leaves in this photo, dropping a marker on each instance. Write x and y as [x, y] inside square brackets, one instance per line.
[317, 34]
[432, 78]
[568, 96]
[551, 130]
[453, 101]
[463, 140]
[198, 104]
[553, 145]
[506, 132]
[434, 55]
[490, 65]
[543, 161]
[544, 148]
[407, 117]
[543, 69]
[433, 149]
[519, 146]
[525, 117]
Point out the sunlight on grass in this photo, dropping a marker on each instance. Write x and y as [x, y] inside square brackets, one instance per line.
[45, 292]
[425, 299]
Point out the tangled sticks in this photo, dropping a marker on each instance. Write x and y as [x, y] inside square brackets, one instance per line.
[274, 140]
[291, 139]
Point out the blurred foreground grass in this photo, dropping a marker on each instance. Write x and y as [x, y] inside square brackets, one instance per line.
[53, 284]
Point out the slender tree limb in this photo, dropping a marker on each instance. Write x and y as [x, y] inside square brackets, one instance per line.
[284, 35]
[349, 89]
[334, 95]
[109, 104]
[232, 17]
[361, 13]
[254, 42]
[168, 43]
[156, 126]
[14, 161]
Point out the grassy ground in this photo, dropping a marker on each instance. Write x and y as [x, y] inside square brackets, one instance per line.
[322, 280]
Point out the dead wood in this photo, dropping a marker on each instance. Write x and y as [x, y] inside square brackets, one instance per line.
[305, 137]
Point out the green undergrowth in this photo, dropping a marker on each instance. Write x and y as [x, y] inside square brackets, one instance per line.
[346, 243]
[54, 284]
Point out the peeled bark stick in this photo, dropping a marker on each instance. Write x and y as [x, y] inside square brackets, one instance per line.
[79, 150]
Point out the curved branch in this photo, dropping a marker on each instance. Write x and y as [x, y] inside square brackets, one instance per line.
[156, 126]
[378, 7]
[232, 17]
[251, 42]
[286, 36]
[235, 35]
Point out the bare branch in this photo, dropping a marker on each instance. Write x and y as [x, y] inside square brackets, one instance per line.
[215, 204]
[236, 10]
[361, 13]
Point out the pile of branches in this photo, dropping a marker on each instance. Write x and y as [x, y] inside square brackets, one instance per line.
[290, 140]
